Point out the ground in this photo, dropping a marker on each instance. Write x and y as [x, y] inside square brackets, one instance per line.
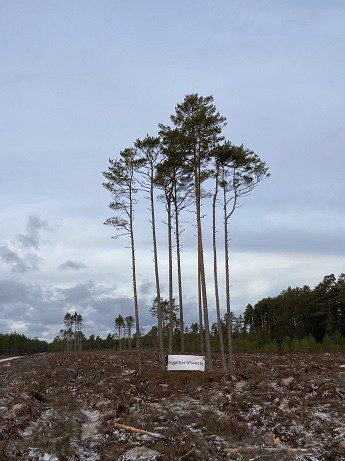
[277, 407]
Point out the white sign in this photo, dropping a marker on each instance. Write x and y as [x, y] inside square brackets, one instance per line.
[186, 362]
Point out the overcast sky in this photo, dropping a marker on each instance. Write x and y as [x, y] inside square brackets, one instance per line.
[81, 80]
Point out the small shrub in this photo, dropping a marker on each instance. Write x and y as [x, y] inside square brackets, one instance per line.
[286, 345]
[308, 344]
[327, 344]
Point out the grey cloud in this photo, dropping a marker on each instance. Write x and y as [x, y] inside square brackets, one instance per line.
[18, 255]
[107, 308]
[13, 292]
[42, 309]
[84, 292]
[32, 238]
[288, 241]
[146, 287]
[72, 265]
[20, 262]
[302, 230]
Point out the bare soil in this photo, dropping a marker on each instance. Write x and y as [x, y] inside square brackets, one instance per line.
[277, 407]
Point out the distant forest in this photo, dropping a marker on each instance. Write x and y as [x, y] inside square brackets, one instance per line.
[298, 313]
[297, 319]
[12, 344]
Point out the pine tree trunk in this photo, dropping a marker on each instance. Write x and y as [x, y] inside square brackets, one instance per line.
[171, 299]
[231, 363]
[202, 268]
[179, 272]
[215, 273]
[134, 280]
[158, 290]
[201, 328]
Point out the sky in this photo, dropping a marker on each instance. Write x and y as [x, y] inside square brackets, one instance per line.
[82, 80]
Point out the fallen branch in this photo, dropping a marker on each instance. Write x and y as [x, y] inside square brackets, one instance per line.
[135, 430]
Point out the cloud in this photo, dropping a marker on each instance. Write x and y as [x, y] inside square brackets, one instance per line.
[19, 262]
[39, 310]
[146, 287]
[19, 255]
[32, 238]
[72, 265]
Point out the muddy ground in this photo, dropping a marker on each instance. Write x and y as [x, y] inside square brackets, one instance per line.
[277, 407]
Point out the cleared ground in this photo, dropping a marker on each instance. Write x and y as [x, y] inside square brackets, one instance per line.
[278, 407]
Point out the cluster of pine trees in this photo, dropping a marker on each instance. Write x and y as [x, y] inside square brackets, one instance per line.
[298, 319]
[123, 329]
[12, 344]
[187, 161]
[71, 338]
[297, 313]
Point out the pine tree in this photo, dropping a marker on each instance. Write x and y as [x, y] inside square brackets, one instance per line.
[241, 171]
[170, 174]
[215, 266]
[122, 185]
[119, 324]
[200, 127]
[149, 149]
[129, 321]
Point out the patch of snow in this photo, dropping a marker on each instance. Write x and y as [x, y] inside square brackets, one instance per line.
[89, 429]
[10, 358]
[89, 435]
[323, 416]
[48, 457]
[240, 385]
[140, 454]
[128, 372]
[35, 454]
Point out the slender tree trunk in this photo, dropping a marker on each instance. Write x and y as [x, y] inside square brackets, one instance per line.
[215, 273]
[81, 339]
[171, 299]
[77, 344]
[75, 337]
[231, 363]
[158, 290]
[134, 280]
[179, 272]
[202, 268]
[201, 327]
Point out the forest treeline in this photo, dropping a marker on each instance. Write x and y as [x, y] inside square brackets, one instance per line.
[298, 319]
[12, 344]
[187, 163]
[297, 313]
